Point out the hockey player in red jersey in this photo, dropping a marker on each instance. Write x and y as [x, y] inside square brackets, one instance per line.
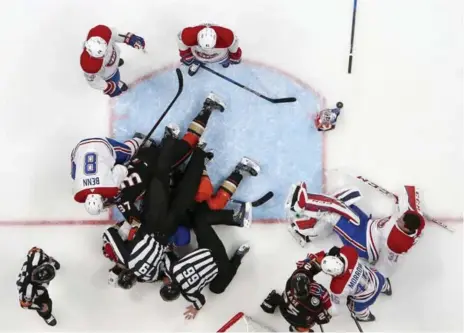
[353, 283]
[100, 58]
[380, 241]
[208, 43]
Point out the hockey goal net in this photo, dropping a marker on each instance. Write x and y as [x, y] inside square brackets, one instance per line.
[243, 323]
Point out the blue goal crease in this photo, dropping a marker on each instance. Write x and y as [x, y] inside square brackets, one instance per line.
[281, 137]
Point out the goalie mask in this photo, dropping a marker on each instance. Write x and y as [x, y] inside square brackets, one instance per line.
[43, 273]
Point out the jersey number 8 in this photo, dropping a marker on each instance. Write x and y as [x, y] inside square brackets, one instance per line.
[90, 164]
[191, 275]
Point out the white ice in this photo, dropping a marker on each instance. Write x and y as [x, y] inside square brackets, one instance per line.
[403, 123]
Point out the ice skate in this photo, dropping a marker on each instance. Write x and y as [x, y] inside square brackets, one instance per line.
[249, 166]
[193, 68]
[55, 263]
[171, 131]
[123, 86]
[241, 252]
[243, 215]
[139, 137]
[51, 321]
[367, 318]
[121, 62]
[214, 102]
[387, 289]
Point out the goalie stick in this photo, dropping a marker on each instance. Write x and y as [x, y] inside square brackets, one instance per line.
[180, 81]
[395, 197]
[272, 100]
[259, 202]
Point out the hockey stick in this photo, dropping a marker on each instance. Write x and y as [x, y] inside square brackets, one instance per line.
[259, 202]
[357, 323]
[395, 197]
[353, 26]
[322, 328]
[272, 100]
[180, 80]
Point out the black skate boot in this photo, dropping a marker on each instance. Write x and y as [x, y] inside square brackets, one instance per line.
[193, 68]
[139, 137]
[366, 318]
[214, 102]
[240, 253]
[387, 288]
[50, 321]
[248, 166]
[243, 215]
[171, 131]
[121, 62]
[123, 86]
[270, 303]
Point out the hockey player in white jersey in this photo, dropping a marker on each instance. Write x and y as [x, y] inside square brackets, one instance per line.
[379, 241]
[100, 59]
[353, 283]
[97, 169]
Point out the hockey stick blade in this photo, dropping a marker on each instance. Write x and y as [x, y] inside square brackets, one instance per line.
[272, 100]
[180, 82]
[259, 202]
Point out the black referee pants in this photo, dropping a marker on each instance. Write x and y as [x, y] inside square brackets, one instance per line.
[207, 238]
[162, 210]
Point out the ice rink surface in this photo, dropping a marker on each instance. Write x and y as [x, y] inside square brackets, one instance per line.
[402, 124]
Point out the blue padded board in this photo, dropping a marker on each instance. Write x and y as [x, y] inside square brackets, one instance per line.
[281, 137]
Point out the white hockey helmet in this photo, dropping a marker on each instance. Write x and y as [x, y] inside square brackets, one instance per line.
[332, 265]
[96, 46]
[207, 38]
[94, 204]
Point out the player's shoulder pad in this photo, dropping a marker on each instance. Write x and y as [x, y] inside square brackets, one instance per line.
[225, 36]
[189, 35]
[90, 64]
[100, 31]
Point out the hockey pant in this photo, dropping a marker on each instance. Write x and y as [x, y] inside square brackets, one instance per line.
[162, 210]
[295, 320]
[207, 238]
[42, 300]
[356, 235]
[361, 307]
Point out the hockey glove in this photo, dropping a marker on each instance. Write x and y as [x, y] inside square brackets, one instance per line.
[186, 57]
[334, 251]
[135, 41]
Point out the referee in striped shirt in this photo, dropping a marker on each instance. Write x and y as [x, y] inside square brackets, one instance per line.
[33, 280]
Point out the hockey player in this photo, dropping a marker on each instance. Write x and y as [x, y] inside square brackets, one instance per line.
[97, 170]
[353, 283]
[37, 272]
[208, 43]
[326, 119]
[304, 301]
[209, 264]
[160, 161]
[100, 58]
[139, 255]
[380, 241]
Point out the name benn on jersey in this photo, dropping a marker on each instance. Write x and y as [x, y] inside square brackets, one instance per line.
[91, 181]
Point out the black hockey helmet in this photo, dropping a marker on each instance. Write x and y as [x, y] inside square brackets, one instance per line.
[170, 291]
[412, 220]
[126, 279]
[43, 273]
[300, 285]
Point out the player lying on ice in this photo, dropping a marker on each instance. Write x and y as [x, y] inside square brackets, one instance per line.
[100, 58]
[353, 283]
[99, 174]
[304, 302]
[208, 43]
[209, 264]
[379, 241]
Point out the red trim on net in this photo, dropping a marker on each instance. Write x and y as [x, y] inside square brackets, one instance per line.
[231, 322]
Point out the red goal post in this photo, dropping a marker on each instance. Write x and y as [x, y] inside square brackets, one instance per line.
[243, 323]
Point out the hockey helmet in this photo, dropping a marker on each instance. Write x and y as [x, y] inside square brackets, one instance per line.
[94, 204]
[207, 38]
[300, 285]
[43, 273]
[170, 291]
[96, 47]
[126, 279]
[332, 265]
